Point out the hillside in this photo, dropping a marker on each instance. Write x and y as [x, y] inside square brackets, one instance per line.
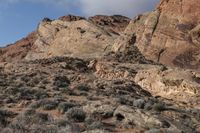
[105, 74]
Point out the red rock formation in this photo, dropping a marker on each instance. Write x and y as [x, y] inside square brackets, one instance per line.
[70, 18]
[18, 50]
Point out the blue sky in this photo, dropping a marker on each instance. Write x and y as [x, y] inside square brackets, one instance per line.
[20, 17]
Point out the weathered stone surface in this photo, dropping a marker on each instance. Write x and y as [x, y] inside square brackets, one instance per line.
[177, 84]
[68, 36]
[141, 119]
[78, 38]
[168, 35]
[115, 24]
[19, 50]
[96, 108]
[71, 18]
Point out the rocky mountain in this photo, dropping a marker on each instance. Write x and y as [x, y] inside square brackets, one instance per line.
[68, 35]
[105, 74]
[168, 35]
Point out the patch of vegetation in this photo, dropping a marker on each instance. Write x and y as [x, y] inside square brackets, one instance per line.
[159, 106]
[82, 87]
[61, 81]
[65, 106]
[76, 114]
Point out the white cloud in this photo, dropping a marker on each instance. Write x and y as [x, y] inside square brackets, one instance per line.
[91, 7]
[125, 7]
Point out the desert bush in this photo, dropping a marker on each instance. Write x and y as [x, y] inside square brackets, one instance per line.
[76, 114]
[125, 100]
[82, 87]
[44, 129]
[25, 78]
[95, 125]
[139, 103]
[160, 106]
[61, 81]
[4, 115]
[25, 93]
[48, 104]
[29, 112]
[65, 106]
[45, 104]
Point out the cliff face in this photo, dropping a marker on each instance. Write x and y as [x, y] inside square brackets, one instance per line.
[170, 34]
[77, 38]
[68, 36]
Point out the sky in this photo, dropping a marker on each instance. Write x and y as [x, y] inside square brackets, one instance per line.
[20, 17]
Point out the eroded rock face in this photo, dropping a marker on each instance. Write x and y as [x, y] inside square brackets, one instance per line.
[179, 85]
[170, 34]
[71, 18]
[77, 38]
[19, 50]
[176, 84]
[68, 36]
[115, 23]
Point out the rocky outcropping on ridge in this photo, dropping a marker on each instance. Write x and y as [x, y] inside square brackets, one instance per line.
[70, 18]
[170, 34]
[68, 36]
[115, 23]
[18, 50]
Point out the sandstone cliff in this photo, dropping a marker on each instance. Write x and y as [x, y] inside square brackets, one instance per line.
[169, 35]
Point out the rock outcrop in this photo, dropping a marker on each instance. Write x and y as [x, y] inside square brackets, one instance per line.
[68, 36]
[70, 18]
[18, 50]
[170, 34]
[115, 23]
[63, 38]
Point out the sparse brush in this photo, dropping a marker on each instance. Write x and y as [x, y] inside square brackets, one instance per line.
[64, 107]
[76, 114]
[159, 107]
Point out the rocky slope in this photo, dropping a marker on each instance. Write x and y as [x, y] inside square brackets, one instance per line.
[104, 74]
[18, 50]
[64, 94]
[169, 35]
